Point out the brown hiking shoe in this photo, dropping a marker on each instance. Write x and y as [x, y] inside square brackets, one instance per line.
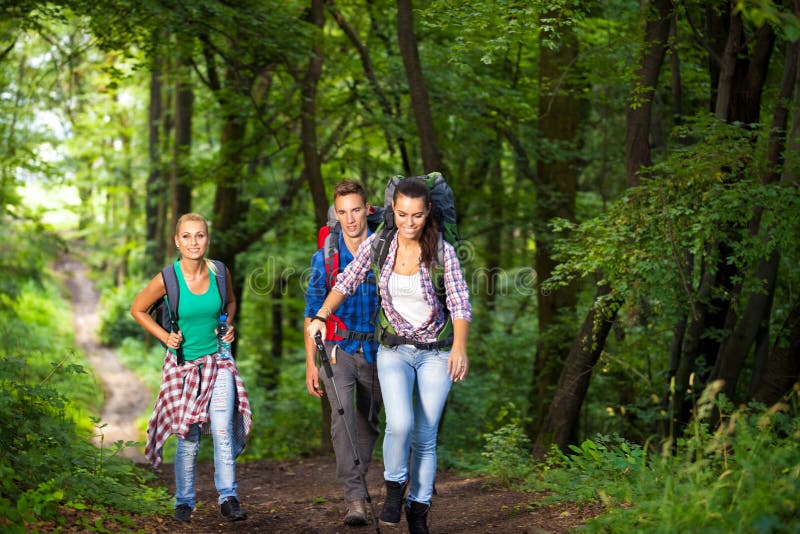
[356, 513]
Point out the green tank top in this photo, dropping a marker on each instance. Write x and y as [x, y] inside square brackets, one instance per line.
[198, 316]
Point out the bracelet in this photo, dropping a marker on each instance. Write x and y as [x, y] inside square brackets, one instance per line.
[325, 308]
[318, 318]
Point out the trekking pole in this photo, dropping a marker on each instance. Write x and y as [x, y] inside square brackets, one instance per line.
[326, 363]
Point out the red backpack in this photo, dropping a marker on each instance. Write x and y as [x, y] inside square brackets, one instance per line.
[328, 241]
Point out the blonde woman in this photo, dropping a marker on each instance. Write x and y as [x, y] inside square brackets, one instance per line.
[201, 392]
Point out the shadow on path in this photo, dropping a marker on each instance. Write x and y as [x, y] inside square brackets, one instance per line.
[126, 396]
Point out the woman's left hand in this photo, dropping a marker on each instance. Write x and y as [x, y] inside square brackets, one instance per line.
[458, 365]
[229, 336]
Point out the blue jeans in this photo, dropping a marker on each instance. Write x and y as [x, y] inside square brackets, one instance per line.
[220, 414]
[406, 372]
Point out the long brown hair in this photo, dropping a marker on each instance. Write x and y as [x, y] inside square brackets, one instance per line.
[429, 239]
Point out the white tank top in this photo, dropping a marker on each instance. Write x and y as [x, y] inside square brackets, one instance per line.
[407, 298]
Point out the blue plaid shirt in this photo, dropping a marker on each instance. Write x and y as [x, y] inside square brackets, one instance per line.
[357, 311]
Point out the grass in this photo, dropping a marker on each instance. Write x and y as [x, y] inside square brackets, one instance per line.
[743, 476]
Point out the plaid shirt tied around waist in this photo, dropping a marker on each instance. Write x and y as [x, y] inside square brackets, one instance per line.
[184, 399]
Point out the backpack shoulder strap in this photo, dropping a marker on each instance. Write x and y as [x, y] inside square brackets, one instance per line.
[173, 290]
[222, 283]
[380, 247]
[173, 299]
[330, 252]
[437, 272]
[440, 250]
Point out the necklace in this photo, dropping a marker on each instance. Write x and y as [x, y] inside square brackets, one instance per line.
[406, 257]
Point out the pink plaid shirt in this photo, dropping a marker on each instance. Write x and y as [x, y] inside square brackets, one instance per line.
[457, 292]
[184, 399]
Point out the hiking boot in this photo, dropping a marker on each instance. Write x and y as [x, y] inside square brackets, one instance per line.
[393, 504]
[183, 512]
[356, 513]
[231, 511]
[417, 516]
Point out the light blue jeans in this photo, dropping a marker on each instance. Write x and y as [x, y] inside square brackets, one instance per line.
[414, 384]
[220, 415]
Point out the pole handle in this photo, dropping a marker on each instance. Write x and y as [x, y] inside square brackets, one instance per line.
[326, 362]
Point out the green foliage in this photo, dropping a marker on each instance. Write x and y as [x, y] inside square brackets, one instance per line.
[116, 323]
[48, 460]
[604, 467]
[641, 244]
[24, 248]
[494, 395]
[739, 477]
[507, 452]
[288, 418]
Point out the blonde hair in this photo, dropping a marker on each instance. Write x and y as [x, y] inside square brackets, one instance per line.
[196, 217]
[190, 217]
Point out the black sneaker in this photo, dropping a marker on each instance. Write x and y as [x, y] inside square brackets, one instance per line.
[182, 513]
[231, 511]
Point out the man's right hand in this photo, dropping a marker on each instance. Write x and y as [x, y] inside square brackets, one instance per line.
[312, 381]
[316, 326]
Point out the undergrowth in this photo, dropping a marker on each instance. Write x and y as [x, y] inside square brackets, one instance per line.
[48, 462]
[741, 476]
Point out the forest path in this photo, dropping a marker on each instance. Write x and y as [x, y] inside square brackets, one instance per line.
[126, 396]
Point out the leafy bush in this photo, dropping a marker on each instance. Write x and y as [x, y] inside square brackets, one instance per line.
[48, 460]
[116, 323]
[288, 417]
[508, 453]
[742, 476]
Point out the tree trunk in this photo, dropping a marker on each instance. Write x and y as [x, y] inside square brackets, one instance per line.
[559, 119]
[431, 157]
[181, 191]
[494, 244]
[675, 71]
[165, 231]
[559, 424]
[309, 119]
[312, 162]
[737, 97]
[156, 186]
[228, 211]
[756, 313]
[782, 369]
[638, 115]
[561, 420]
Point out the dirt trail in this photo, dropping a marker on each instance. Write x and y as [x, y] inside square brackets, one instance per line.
[126, 396]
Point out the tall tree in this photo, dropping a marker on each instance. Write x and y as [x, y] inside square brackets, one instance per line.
[420, 103]
[308, 119]
[180, 181]
[311, 157]
[156, 186]
[562, 414]
[756, 312]
[740, 67]
[560, 115]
